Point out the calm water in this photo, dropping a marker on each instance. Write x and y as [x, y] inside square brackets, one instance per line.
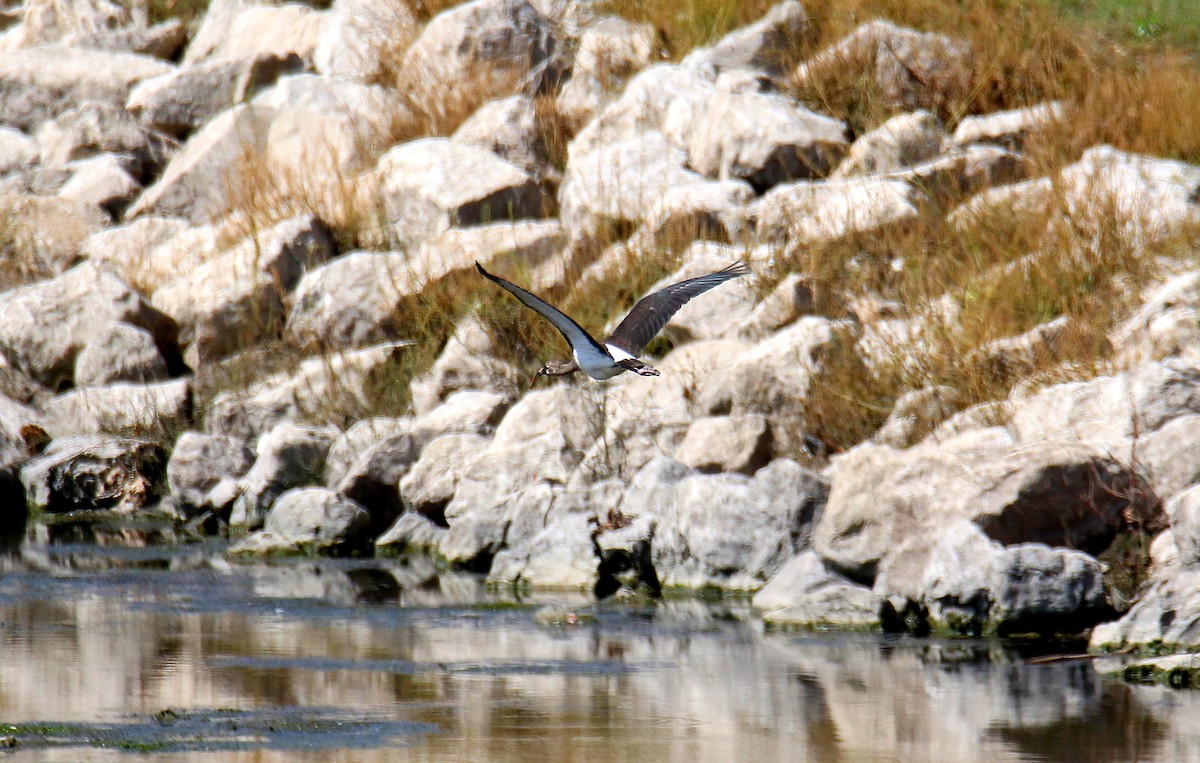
[118, 653]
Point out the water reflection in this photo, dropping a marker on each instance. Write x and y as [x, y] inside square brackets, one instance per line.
[269, 661]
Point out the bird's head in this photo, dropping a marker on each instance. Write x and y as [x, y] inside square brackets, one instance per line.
[554, 368]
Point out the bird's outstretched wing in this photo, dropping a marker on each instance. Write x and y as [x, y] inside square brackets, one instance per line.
[571, 331]
[652, 313]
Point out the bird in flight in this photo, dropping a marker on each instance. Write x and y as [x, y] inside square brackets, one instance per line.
[618, 353]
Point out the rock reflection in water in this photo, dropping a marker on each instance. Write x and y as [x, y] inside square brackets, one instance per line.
[399, 644]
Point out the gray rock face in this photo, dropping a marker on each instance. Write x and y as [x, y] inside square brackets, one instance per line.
[1153, 199]
[122, 353]
[232, 300]
[140, 410]
[1184, 512]
[651, 491]
[835, 209]
[429, 485]
[1053, 492]
[619, 181]
[508, 128]
[1166, 615]
[359, 36]
[608, 52]
[1165, 324]
[913, 70]
[769, 375]
[1170, 457]
[902, 141]
[806, 594]
[734, 532]
[1009, 129]
[38, 84]
[95, 128]
[966, 583]
[471, 411]
[950, 178]
[715, 211]
[727, 444]
[1146, 398]
[411, 533]
[421, 203]
[762, 46]
[373, 479]
[102, 182]
[200, 470]
[44, 326]
[18, 151]
[664, 98]
[83, 473]
[360, 437]
[243, 30]
[560, 556]
[182, 101]
[348, 302]
[484, 47]
[288, 456]
[764, 139]
[310, 519]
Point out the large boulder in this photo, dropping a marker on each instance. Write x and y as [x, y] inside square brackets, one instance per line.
[203, 471]
[608, 52]
[1165, 617]
[831, 210]
[44, 326]
[244, 30]
[430, 483]
[140, 410]
[902, 141]
[764, 46]
[665, 98]
[123, 353]
[349, 302]
[1141, 199]
[804, 593]
[38, 84]
[727, 444]
[765, 139]
[309, 520]
[732, 531]
[473, 52]
[433, 184]
[1052, 492]
[182, 101]
[1009, 129]
[96, 127]
[955, 579]
[288, 456]
[237, 298]
[89, 473]
[510, 129]
[618, 182]
[912, 70]
[359, 38]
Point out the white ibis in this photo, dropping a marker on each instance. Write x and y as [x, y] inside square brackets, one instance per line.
[618, 353]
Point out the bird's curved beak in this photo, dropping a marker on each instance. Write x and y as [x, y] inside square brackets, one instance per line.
[533, 381]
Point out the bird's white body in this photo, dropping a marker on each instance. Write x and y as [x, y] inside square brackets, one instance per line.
[597, 365]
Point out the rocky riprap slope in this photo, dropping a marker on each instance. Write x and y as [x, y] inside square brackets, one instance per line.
[121, 142]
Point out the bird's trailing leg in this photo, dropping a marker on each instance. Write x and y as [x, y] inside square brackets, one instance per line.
[638, 367]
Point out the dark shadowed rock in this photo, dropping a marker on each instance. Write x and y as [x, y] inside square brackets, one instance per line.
[83, 473]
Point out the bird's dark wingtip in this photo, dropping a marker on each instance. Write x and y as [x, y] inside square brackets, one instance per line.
[738, 268]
